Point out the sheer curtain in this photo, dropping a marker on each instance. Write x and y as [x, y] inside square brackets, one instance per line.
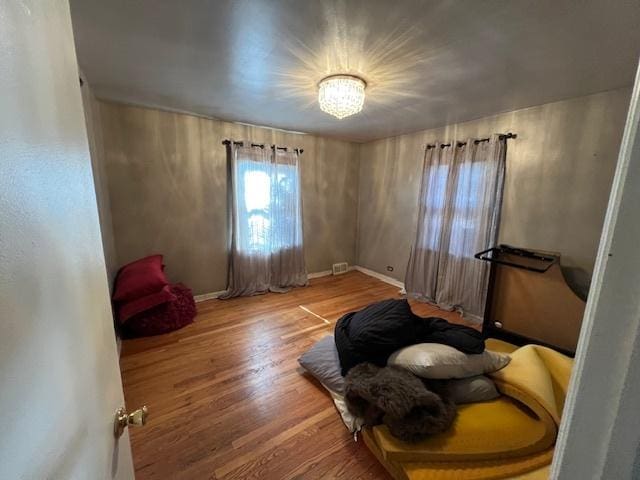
[422, 272]
[459, 214]
[287, 259]
[266, 251]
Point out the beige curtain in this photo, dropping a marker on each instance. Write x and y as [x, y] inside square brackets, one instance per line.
[422, 273]
[459, 214]
[287, 254]
[266, 248]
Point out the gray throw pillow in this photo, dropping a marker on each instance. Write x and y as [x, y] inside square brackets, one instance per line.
[323, 363]
[438, 361]
[470, 390]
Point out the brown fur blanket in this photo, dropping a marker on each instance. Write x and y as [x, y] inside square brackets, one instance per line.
[398, 399]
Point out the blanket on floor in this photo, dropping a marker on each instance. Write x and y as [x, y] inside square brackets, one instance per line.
[374, 333]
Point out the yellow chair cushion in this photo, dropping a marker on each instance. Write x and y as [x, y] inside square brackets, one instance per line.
[484, 470]
[501, 346]
[508, 438]
[501, 428]
[529, 467]
[537, 376]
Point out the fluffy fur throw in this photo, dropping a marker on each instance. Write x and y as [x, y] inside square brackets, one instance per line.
[398, 399]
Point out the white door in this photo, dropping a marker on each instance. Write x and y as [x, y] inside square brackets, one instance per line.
[59, 377]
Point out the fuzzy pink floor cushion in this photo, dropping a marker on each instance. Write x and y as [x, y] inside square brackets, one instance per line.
[163, 318]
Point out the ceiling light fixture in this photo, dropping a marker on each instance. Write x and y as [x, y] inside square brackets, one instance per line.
[341, 95]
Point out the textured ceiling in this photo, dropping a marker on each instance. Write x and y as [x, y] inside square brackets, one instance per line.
[427, 63]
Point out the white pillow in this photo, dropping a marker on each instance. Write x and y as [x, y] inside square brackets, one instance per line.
[435, 360]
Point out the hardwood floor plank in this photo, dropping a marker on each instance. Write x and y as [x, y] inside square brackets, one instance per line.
[274, 442]
[314, 314]
[228, 399]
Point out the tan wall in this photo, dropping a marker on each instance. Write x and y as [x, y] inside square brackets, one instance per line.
[166, 177]
[168, 191]
[96, 147]
[559, 173]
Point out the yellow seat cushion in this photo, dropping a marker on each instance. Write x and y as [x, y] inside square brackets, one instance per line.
[508, 438]
[530, 467]
[537, 376]
[484, 470]
[502, 428]
[501, 346]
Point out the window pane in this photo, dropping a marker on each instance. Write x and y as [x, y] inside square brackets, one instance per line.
[466, 203]
[254, 192]
[436, 192]
[269, 213]
[257, 190]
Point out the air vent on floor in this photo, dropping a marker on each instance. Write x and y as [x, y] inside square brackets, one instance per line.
[340, 268]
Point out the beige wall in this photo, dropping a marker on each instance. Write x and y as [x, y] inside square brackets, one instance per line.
[167, 186]
[166, 175]
[559, 173]
[96, 147]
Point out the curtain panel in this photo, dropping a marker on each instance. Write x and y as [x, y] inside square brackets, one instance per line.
[458, 216]
[265, 216]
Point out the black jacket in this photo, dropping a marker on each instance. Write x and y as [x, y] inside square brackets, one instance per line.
[374, 333]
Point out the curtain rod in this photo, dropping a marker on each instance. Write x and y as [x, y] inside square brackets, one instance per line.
[261, 145]
[504, 136]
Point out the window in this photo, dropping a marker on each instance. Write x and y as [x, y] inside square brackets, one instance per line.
[255, 222]
[460, 197]
[434, 204]
[466, 216]
[466, 199]
[268, 208]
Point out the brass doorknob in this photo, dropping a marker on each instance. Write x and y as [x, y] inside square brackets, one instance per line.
[123, 419]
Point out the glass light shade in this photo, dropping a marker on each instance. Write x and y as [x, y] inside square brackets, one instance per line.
[341, 95]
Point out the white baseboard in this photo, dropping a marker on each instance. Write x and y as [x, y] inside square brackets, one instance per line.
[324, 273]
[212, 295]
[380, 276]
[207, 296]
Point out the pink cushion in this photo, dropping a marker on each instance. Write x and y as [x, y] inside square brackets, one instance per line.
[139, 279]
[139, 305]
[163, 318]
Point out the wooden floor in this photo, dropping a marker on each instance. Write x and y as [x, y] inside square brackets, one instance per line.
[228, 400]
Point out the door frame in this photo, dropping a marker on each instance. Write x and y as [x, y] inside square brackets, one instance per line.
[600, 431]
